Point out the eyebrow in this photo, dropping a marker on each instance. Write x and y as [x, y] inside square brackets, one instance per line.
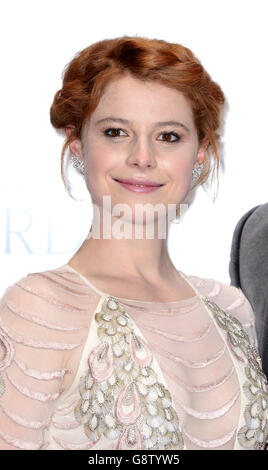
[156, 124]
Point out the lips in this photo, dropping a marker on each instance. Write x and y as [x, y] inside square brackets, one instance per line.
[139, 185]
[138, 182]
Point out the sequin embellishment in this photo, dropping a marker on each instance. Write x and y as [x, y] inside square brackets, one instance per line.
[254, 434]
[121, 397]
[6, 357]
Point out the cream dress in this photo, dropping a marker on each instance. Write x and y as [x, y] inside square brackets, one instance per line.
[81, 369]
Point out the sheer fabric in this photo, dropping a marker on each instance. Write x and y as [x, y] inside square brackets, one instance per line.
[81, 369]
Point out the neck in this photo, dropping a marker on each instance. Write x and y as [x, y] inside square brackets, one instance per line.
[132, 257]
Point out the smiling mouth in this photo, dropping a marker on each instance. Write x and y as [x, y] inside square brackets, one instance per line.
[139, 185]
[132, 186]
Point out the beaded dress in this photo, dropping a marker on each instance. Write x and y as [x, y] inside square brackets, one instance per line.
[81, 369]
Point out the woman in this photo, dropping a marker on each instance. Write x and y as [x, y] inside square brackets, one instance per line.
[117, 349]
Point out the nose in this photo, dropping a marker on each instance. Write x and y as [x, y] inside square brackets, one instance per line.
[141, 153]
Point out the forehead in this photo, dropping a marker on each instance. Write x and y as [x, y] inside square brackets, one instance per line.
[132, 99]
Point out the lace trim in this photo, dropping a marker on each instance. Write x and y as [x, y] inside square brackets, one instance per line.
[64, 278]
[65, 410]
[19, 443]
[172, 337]
[216, 289]
[237, 303]
[37, 344]
[61, 286]
[40, 396]
[70, 425]
[37, 374]
[51, 300]
[40, 321]
[179, 310]
[209, 444]
[193, 365]
[204, 387]
[68, 446]
[210, 414]
[23, 422]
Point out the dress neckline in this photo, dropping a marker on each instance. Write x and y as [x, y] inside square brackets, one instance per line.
[139, 302]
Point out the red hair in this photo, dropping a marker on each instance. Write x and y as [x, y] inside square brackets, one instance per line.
[170, 64]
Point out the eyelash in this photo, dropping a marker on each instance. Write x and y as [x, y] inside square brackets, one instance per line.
[163, 133]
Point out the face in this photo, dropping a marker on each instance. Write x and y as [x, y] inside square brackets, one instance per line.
[130, 135]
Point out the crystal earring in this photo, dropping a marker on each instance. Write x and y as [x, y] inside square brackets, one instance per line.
[78, 164]
[196, 172]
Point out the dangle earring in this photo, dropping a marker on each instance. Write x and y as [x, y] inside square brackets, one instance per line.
[78, 164]
[196, 172]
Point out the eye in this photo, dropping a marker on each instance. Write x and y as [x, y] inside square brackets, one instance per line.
[114, 132]
[168, 136]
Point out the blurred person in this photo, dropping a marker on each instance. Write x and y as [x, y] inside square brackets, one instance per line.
[248, 269]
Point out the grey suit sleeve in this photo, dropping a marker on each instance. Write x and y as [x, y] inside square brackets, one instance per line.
[248, 270]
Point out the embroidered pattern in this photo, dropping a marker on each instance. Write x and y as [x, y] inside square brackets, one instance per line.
[6, 357]
[254, 434]
[121, 396]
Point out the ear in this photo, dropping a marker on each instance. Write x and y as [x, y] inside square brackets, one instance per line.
[201, 154]
[69, 129]
[75, 145]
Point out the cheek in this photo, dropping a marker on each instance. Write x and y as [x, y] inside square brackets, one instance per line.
[180, 169]
[183, 167]
[180, 172]
[101, 159]
[99, 166]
